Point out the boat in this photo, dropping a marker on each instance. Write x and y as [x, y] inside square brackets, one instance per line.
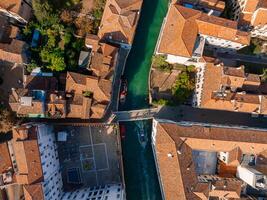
[142, 134]
[123, 92]
[122, 131]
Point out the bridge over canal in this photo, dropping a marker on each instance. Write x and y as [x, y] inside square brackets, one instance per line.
[134, 115]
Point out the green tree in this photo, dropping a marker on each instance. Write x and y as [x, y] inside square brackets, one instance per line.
[159, 62]
[57, 63]
[183, 87]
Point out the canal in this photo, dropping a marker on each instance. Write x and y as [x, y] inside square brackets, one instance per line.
[139, 168]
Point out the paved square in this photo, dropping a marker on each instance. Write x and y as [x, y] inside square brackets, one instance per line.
[94, 150]
[86, 152]
[100, 153]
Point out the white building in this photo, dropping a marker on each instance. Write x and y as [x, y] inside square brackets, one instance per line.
[252, 177]
[185, 33]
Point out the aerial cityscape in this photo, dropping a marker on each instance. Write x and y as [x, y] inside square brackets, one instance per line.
[133, 99]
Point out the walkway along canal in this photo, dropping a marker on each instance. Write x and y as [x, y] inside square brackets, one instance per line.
[139, 168]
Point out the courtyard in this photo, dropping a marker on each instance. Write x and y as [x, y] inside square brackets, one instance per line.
[90, 156]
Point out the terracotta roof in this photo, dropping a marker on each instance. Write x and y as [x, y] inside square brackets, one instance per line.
[33, 192]
[103, 60]
[79, 83]
[16, 105]
[79, 107]
[254, 13]
[173, 150]
[13, 52]
[5, 161]
[250, 6]
[11, 5]
[163, 80]
[184, 24]
[213, 4]
[40, 83]
[222, 28]
[93, 41]
[18, 7]
[120, 19]
[260, 18]
[100, 88]
[180, 31]
[233, 71]
[215, 96]
[98, 110]
[26, 150]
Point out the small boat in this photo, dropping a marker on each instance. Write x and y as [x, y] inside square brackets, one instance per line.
[123, 92]
[122, 131]
[142, 134]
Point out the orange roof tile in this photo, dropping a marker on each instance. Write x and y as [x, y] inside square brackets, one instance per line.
[179, 32]
[13, 52]
[174, 143]
[120, 19]
[184, 24]
[5, 161]
[33, 192]
[28, 158]
[213, 97]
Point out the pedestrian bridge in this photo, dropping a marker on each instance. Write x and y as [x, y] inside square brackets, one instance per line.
[134, 115]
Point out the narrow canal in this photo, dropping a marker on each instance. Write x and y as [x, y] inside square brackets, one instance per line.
[140, 172]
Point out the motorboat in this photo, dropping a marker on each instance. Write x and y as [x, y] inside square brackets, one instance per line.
[142, 133]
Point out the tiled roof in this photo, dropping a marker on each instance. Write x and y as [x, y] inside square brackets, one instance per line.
[173, 150]
[27, 156]
[13, 52]
[16, 105]
[103, 60]
[40, 83]
[93, 41]
[120, 19]
[214, 97]
[17, 6]
[78, 83]
[184, 24]
[5, 161]
[33, 192]
[180, 31]
[11, 5]
[79, 107]
[213, 4]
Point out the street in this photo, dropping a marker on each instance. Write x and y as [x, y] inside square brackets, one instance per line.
[243, 57]
[187, 113]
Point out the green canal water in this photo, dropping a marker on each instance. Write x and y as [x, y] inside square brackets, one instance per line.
[139, 168]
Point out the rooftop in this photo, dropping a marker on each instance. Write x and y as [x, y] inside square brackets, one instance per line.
[13, 52]
[174, 143]
[119, 20]
[184, 24]
[229, 88]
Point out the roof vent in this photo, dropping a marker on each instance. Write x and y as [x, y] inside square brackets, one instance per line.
[170, 155]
